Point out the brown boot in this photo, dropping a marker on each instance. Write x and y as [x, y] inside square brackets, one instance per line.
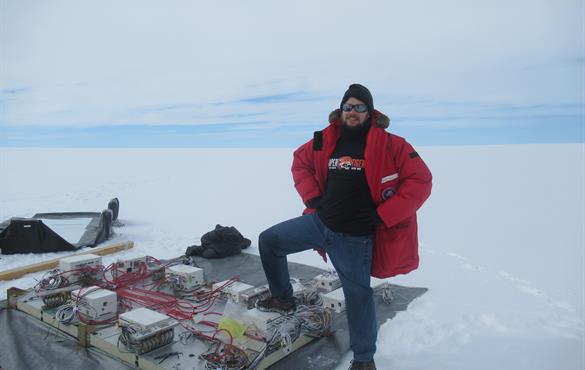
[283, 306]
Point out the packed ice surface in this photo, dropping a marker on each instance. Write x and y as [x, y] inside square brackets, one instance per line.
[502, 237]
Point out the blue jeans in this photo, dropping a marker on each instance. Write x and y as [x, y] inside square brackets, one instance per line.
[352, 258]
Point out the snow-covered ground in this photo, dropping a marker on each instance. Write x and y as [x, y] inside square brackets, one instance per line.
[502, 237]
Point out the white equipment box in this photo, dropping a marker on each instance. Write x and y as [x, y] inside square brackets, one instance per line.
[250, 296]
[131, 265]
[150, 329]
[334, 300]
[95, 303]
[75, 266]
[146, 320]
[328, 281]
[186, 277]
[139, 264]
[232, 290]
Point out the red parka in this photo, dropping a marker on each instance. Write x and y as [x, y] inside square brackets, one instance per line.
[399, 183]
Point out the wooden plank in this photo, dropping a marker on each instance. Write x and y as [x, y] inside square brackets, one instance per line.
[46, 265]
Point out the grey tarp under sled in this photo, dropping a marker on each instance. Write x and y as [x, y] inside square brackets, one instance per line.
[26, 342]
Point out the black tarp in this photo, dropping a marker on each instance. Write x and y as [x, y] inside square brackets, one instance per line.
[29, 235]
[34, 235]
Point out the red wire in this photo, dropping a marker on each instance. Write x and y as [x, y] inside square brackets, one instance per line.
[229, 346]
[122, 282]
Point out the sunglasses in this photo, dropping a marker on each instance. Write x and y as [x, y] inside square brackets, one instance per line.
[360, 108]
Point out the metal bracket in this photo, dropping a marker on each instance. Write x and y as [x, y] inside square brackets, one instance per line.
[12, 295]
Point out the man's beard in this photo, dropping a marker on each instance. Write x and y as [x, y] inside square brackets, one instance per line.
[357, 130]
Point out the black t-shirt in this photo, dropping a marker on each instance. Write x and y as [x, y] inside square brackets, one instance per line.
[347, 205]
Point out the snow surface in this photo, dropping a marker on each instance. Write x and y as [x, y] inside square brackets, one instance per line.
[502, 237]
[69, 229]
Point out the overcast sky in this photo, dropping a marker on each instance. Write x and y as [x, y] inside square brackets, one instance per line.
[267, 73]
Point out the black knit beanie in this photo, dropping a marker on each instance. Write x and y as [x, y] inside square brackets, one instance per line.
[359, 92]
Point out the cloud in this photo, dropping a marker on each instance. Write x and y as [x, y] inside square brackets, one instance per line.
[259, 63]
[271, 98]
[13, 91]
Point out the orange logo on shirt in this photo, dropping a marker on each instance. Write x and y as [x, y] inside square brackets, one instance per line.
[346, 163]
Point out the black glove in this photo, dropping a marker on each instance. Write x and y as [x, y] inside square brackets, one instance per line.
[218, 243]
[376, 219]
[314, 202]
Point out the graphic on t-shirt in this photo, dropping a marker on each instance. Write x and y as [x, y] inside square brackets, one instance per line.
[346, 163]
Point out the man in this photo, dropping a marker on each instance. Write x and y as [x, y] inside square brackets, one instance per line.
[362, 187]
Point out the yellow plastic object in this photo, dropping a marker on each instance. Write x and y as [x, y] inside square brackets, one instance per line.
[235, 328]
